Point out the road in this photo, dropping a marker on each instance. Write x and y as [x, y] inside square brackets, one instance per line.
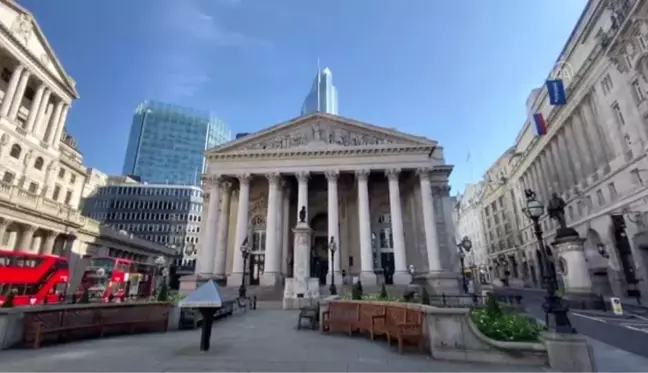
[628, 332]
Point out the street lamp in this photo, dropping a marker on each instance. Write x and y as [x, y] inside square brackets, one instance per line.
[411, 269]
[464, 247]
[245, 252]
[601, 250]
[160, 263]
[332, 247]
[555, 310]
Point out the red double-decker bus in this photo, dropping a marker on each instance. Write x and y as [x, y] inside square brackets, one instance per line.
[34, 278]
[107, 279]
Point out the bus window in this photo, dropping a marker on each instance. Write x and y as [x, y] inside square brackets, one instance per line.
[61, 288]
[19, 289]
[4, 289]
[31, 289]
[4, 260]
[61, 264]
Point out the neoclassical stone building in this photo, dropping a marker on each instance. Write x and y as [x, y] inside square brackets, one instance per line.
[382, 195]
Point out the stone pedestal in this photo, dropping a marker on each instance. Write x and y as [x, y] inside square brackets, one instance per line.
[337, 277]
[402, 278]
[570, 262]
[301, 290]
[447, 283]
[234, 280]
[569, 352]
[188, 284]
[369, 278]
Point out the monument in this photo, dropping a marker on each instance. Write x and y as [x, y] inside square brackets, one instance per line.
[301, 290]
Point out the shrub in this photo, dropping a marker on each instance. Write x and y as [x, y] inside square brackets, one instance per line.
[163, 295]
[425, 297]
[505, 326]
[492, 307]
[356, 291]
[85, 297]
[9, 301]
[383, 293]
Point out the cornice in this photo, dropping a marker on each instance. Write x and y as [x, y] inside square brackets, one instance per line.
[328, 152]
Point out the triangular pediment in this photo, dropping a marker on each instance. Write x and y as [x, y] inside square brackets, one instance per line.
[21, 25]
[321, 131]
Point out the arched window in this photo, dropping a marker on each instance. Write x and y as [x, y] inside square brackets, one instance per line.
[258, 234]
[38, 163]
[15, 151]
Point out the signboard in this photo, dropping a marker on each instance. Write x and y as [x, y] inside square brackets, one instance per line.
[617, 308]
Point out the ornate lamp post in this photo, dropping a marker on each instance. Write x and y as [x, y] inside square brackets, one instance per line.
[555, 309]
[245, 252]
[464, 247]
[332, 247]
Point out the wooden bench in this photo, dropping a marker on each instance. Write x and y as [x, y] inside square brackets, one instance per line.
[310, 313]
[341, 316]
[77, 322]
[404, 325]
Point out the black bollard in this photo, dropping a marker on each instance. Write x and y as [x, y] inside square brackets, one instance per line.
[208, 320]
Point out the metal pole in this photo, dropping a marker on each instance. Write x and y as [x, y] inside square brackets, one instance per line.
[332, 288]
[242, 289]
[463, 274]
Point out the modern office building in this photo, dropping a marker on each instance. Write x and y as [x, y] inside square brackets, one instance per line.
[167, 143]
[323, 96]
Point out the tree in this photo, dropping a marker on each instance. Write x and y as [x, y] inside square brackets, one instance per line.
[9, 302]
[425, 297]
[356, 291]
[163, 295]
[492, 307]
[383, 292]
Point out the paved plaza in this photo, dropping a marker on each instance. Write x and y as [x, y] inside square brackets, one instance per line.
[259, 341]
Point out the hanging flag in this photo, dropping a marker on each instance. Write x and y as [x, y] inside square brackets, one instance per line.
[556, 90]
[540, 124]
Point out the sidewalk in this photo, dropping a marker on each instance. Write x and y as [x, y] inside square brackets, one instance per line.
[265, 340]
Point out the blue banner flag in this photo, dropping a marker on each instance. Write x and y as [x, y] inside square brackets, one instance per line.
[556, 90]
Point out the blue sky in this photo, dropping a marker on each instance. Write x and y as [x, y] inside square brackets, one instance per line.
[457, 71]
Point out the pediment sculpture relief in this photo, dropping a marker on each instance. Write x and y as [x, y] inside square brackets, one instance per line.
[22, 28]
[321, 133]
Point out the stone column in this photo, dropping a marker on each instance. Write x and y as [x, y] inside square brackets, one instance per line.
[333, 226]
[280, 224]
[401, 276]
[61, 125]
[48, 245]
[11, 90]
[35, 107]
[206, 256]
[302, 193]
[41, 110]
[18, 97]
[4, 224]
[220, 260]
[367, 275]
[53, 123]
[271, 270]
[26, 238]
[286, 257]
[429, 222]
[242, 222]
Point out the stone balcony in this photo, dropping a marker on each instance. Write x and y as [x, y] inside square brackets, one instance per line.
[31, 201]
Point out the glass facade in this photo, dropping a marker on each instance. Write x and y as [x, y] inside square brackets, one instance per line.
[323, 96]
[167, 143]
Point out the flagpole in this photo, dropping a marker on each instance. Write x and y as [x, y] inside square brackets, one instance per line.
[319, 81]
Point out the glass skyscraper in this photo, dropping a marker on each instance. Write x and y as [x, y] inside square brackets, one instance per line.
[323, 96]
[167, 143]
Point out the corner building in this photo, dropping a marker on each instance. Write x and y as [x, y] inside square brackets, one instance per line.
[593, 156]
[381, 195]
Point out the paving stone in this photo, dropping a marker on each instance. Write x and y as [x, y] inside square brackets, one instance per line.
[258, 341]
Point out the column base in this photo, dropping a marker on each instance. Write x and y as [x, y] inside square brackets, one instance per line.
[270, 279]
[447, 283]
[402, 278]
[337, 276]
[300, 293]
[234, 279]
[368, 278]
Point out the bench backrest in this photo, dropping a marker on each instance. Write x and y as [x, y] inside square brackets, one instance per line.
[343, 310]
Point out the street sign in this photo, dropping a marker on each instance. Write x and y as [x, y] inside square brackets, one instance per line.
[617, 308]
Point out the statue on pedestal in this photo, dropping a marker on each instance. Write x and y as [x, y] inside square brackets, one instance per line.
[556, 210]
[302, 215]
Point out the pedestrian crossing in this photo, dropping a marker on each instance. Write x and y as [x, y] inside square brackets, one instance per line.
[634, 322]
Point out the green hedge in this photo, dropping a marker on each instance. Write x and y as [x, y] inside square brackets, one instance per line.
[504, 326]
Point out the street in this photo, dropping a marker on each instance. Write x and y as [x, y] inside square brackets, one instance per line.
[628, 332]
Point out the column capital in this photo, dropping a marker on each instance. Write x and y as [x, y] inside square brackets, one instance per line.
[424, 173]
[31, 228]
[226, 186]
[302, 176]
[441, 190]
[362, 175]
[332, 175]
[211, 180]
[244, 178]
[273, 178]
[4, 222]
[392, 174]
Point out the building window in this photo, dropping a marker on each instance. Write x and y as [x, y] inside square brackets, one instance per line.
[612, 190]
[8, 177]
[637, 91]
[33, 188]
[15, 151]
[38, 163]
[606, 84]
[5, 75]
[72, 179]
[55, 194]
[600, 198]
[636, 177]
[61, 173]
[618, 114]
[386, 239]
